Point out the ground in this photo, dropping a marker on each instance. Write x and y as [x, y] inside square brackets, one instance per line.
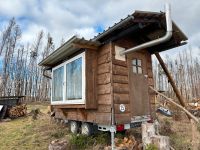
[183, 135]
[27, 133]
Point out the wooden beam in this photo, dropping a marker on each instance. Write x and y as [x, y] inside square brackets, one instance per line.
[179, 106]
[85, 46]
[171, 80]
[69, 106]
[178, 94]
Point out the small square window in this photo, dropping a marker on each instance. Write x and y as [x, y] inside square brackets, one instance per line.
[137, 66]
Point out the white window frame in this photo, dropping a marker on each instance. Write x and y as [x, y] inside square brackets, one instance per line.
[64, 100]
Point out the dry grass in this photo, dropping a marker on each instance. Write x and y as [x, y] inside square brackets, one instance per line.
[182, 133]
[26, 133]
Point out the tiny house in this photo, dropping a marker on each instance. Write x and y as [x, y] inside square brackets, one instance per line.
[97, 85]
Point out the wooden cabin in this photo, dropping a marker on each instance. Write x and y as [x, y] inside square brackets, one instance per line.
[94, 85]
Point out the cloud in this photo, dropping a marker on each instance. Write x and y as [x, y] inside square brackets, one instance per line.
[34, 29]
[63, 18]
[87, 33]
[11, 8]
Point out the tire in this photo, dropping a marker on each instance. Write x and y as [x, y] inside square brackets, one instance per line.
[74, 127]
[87, 129]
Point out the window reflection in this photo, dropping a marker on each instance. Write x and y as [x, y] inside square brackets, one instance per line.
[57, 94]
[74, 80]
[137, 66]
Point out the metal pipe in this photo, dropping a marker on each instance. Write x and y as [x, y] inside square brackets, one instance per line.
[45, 75]
[163, 39]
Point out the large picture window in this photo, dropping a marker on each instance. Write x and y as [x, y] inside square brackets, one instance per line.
[68, 86]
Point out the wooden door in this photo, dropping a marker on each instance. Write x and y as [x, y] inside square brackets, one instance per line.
[138, 82]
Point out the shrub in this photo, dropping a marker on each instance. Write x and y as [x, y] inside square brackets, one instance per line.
[179, 142]
[151, 147]
[103, 138]
[83, 142]
[58, 134]
[166, 128]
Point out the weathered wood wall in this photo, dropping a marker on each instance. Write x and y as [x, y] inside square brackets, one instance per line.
[91, 75]
[104, 87]
[121, 83]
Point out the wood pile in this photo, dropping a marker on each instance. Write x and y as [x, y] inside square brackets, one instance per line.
[17, 111]
[195, 108]
[127, 143]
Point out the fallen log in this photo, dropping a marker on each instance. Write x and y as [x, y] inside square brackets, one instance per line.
[179, 106]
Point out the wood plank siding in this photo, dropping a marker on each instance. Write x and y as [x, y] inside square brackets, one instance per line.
[104, 86]
[120, 87]
[91, 75]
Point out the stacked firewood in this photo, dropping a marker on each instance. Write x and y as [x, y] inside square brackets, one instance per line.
[194, 108]
[17, 111]
[128, 143]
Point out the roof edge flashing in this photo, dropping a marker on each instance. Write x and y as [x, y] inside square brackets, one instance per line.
[130, 17]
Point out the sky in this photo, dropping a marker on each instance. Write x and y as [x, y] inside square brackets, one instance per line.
[65, 18]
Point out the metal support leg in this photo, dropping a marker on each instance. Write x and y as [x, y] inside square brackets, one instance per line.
[112, 131]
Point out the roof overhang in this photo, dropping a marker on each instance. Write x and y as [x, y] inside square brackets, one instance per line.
[146, 26]
[70, 47]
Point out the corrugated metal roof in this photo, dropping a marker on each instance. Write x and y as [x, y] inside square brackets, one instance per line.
[137, 17]
[66, 50]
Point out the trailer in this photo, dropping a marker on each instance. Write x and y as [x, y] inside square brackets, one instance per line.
[103, 83]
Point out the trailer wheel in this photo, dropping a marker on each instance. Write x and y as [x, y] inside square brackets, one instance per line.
[74, 126]
[87, 129]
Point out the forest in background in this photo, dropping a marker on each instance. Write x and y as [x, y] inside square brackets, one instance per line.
[185, 70]
[21, 75]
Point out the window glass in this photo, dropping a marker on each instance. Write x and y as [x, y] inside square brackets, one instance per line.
[139, 70]
[139, 62]
[74, 80]
[134, 62]
[58, 78]
[137, 66]
[134, 69]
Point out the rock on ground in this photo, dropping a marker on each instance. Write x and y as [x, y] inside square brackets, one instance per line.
[59, 145]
